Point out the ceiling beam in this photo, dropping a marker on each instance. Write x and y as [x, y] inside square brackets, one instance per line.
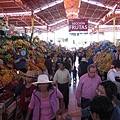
[98, 4]
[48, 6]
[21, 18]
[107, 18]
[21, 5]
[5, 1]
[39, 20]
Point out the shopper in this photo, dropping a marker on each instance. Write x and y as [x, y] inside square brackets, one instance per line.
[25, 89]
[112, 73]
[74, 74]
[63, 80]
[82, 68]
[87, 86]
[43, 102]
[101, 108]
[108, 89]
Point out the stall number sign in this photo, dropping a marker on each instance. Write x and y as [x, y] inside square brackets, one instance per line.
[78, 25]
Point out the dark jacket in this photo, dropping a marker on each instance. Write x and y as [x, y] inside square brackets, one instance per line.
[82, 69]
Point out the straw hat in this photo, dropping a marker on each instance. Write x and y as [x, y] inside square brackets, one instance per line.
[84, 59]
[30, 74]
[42, 79]
[19, 47]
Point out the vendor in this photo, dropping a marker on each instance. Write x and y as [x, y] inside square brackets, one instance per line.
[25, 90]
[20, 59]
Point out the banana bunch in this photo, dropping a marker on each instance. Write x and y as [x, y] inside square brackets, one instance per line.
[6, 47]
[10, 43]
[3, 67]
[11, 60]
[22, 43]
[2, 51]
[18, 42]
[6, 78]
[26, 44]
[41, 63]
[31, 66]
[11, 66]
[1, 61]
[8, 56]
[36, 39]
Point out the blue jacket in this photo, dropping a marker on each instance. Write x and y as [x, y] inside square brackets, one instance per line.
[116, 114]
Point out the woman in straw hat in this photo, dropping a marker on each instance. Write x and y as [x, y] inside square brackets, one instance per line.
[43, 102]
[26, 89]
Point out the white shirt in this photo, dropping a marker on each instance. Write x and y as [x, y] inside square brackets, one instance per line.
[111, 75]
[62, 76]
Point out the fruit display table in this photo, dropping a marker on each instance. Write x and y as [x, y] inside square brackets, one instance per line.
[18, 114]
[2, 109]
[9, 113]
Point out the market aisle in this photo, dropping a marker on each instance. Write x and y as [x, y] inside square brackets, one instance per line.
[72, 101]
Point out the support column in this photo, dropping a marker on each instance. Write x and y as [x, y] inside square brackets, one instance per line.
[54, 37]
[98, 32]
[32, 20]
[114, 30]
[32, 27]
[91, 38]
[6, 20]
[47, 33]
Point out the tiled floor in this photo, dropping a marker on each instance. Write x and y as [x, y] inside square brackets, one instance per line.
[72, 100]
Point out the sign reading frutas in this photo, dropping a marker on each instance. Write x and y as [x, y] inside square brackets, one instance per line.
[78, 25]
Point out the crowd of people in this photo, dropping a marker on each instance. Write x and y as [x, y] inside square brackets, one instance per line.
[45, 96]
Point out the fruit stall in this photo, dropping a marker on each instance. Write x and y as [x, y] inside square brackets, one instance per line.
[9, 76]
[102, 56]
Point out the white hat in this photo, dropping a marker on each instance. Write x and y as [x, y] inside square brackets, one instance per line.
[83, 59]
[42, 79]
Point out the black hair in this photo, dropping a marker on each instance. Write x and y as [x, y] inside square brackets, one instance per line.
[50, 86]
[91, 66]
[48, 57]
[110, 89]
[102, 106]
[117, 64]
[62, 63]
[115, 51]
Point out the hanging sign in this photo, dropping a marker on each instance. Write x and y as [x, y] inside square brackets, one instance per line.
[78, 25]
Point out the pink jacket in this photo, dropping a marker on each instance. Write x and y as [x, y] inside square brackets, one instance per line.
[53, 94]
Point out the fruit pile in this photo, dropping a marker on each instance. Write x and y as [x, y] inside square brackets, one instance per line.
[6, 76]
[32, 67]
[35, 52]
[5, 96]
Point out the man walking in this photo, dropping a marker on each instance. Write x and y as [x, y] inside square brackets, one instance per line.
[63, 80]
[87, 86]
